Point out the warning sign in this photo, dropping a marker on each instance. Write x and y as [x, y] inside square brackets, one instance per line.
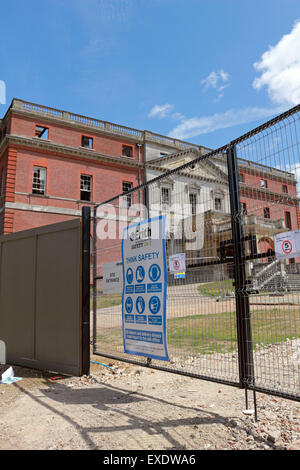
[177, 263]
[287, 244]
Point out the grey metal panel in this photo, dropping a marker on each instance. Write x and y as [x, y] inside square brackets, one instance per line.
[58, 297]
[17, 304]
[40, 297]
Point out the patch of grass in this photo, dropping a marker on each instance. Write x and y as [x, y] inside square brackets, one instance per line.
[216, 333]
[107, 300]
[215, 289]
[203, 333]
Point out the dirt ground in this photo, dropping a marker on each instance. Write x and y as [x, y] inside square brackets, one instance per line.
[136, 408]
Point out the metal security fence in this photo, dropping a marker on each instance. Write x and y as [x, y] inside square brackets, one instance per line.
[233, 314]
[269, 170]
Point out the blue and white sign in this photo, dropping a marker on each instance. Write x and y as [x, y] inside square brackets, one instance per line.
[145, 289]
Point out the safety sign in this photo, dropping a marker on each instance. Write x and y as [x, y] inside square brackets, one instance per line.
[287, 244]
[145, 289]
[177, 263]
[112, 278]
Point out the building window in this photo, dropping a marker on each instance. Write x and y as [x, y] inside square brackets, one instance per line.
[244, 208]
[285, 189]
[263, 184]
[127, 186]
[193, 203]
[127, 151]
[242, 178]
[41, 132]
[85, 188]
[266, 212]
[218, 204]
[39, 180]
[87, 142]
[288, 220]
[165, 198]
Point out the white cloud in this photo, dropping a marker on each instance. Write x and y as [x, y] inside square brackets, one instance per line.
[280, 69]
[211, 80]
[160, 111]
[2, 92]
[295, 169]
[215, 79]
[218, 81]
[163, 111]
[224, 75]
[206, 124]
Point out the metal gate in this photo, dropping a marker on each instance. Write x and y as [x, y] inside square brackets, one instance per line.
[233, 315]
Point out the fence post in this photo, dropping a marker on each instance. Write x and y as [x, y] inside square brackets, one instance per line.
[95, 261]
[246, 369]
[86, 233]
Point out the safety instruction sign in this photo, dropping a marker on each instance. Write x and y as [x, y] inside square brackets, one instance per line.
[287, 244]
[145, 289]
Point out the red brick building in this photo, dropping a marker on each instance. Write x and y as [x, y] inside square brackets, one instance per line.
[53, 162]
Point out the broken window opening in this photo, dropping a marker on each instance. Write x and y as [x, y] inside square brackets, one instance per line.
[42, 132]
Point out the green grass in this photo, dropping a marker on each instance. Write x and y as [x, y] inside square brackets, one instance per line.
[215, 289]
[107, 300]
[207, 334]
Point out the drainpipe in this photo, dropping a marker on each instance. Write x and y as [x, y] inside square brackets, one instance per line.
[139, 172]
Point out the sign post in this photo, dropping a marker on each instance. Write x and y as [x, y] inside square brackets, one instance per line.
[145, 289]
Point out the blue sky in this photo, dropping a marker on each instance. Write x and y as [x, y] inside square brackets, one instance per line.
[176, 67]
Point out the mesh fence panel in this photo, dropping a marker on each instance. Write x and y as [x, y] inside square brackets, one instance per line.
[201, 325]
[234, 316]
[269, 169]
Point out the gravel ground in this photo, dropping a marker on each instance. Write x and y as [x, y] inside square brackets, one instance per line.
[135, 408]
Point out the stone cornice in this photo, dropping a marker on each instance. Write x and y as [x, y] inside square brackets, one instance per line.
[118, 131]
[48, 146]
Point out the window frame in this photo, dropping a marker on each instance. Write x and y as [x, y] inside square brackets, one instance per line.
[165, 205]
[45, 129]
[221, 204]
[268, 212]
[264, 183]
[128, 198]
[193, 195]
[90, 191]
[287, 215]
[124, 146]
[35, 190]
[90, 139]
